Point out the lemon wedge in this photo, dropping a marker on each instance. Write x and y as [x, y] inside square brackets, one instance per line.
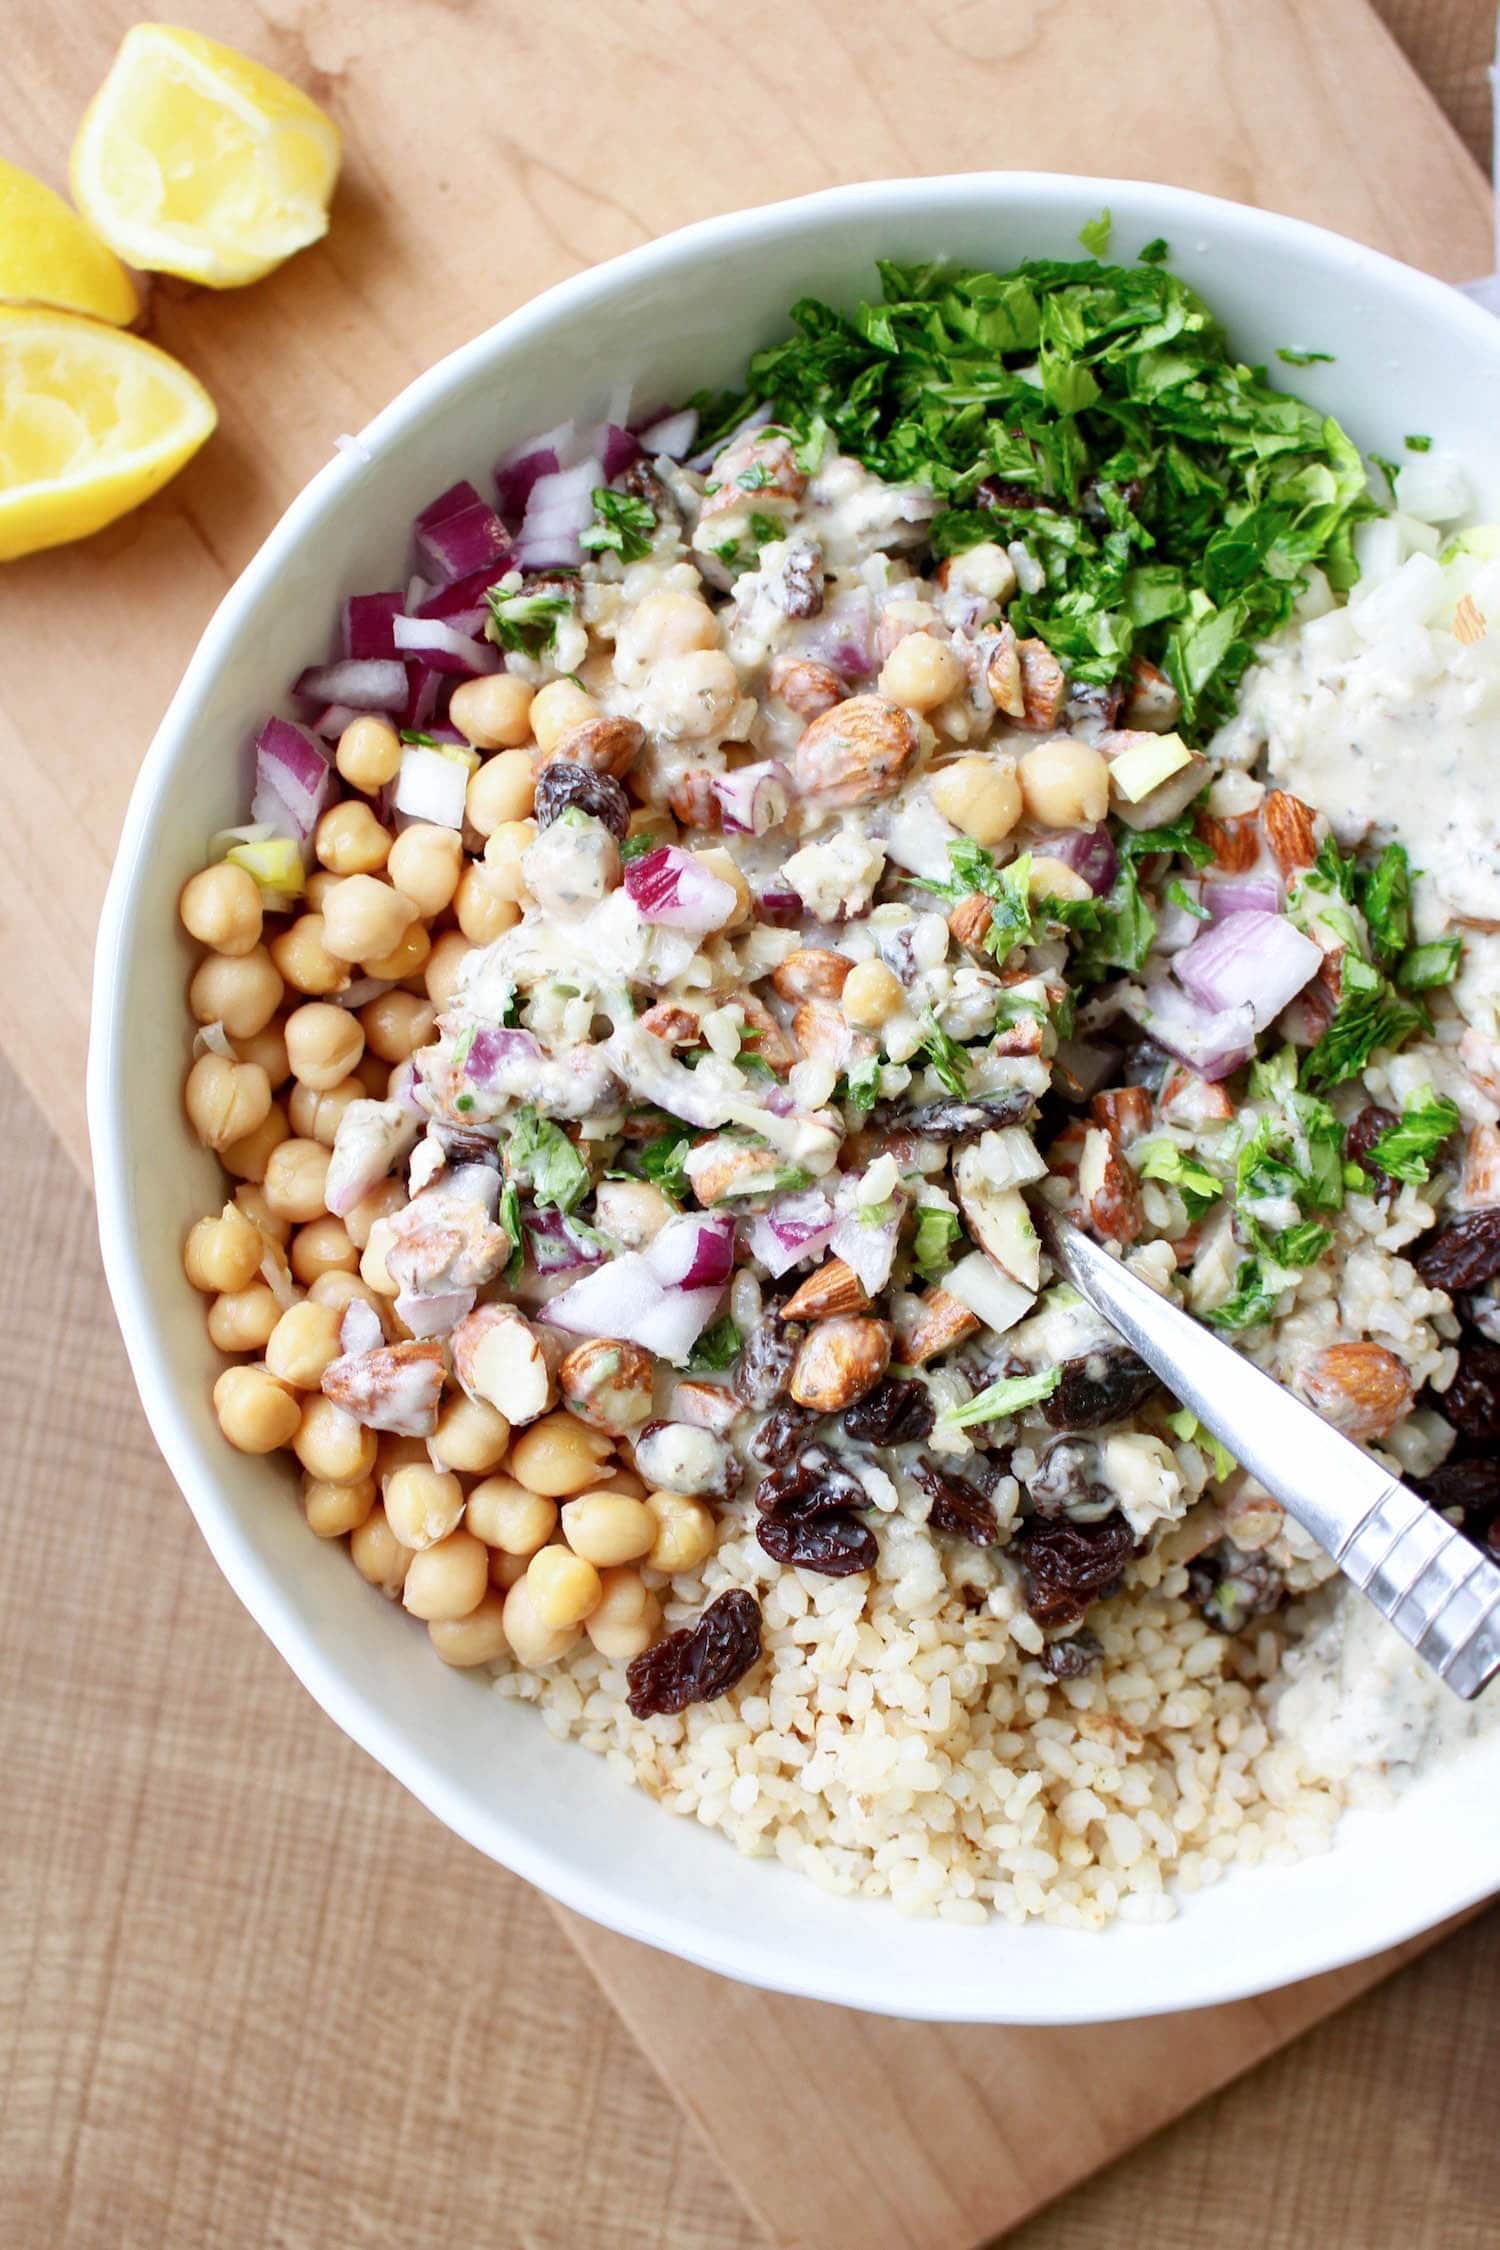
[194, 160]
[92, 422]
[49, 257]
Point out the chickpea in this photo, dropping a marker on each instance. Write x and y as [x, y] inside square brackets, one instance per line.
[422, 1504]
[304, 1341]
[317, 887]
[654, 821]
[255, 1413]
[316, 1115]
[726, 867]
[697, 693]
[296, 1175]
[478, 1638]
[555, 709]
[378, 1203]
[349, 840]
[333, 1509]
[369, 754]
[247, 1157]
[396, 1024]
[504, 788]
[1054, 878]
[493, 713]
[373, 1075]
[505, 1515]
[425, 863]
[980, 795]
[921, 672]
[377, 1554]
[563, 1587]
[223, 1253]
[320, 1247]
[686, 1533]
[364, 918]
[250, 1201]
[471, 1435]
[443, 965]
[444, 1582]
[506, 1570]
[531, 1642]
[665, 624]
[221, 908]
[558, 1455]
[607, 1528]
[871, 995]
[331, 1445]
[243, 1320]
[626, 1618]
[240, 991]
[338, 1287]
[483, 912]
[372, 1266]
[268, 1048]
[503, 853]
[1065, 784]
[397, 1451]
[225, 1100]
[407, 957]
[305, 961]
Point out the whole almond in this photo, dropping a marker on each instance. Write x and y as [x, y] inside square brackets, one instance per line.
[804, 687]
[819, 1029]
[609, 744]
[834, 1288]
[1362, 1389]
[608, 1383]
[1044, 686]
[395, 1387]
[1002, 675]
[858, 752]
[1124, 1112]
[674, 1026]
[839, 1361]
[813, 972]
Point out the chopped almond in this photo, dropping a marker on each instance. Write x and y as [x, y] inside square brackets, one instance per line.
[834, 1288]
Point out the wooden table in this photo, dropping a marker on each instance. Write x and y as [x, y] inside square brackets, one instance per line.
[249, 1993]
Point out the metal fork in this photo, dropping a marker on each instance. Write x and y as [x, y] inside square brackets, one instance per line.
[1441, 1594]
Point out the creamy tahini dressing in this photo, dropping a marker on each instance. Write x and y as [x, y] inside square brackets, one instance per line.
[1357, 1700]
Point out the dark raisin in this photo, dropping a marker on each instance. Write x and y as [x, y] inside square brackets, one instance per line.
[1101, 704]
[1069, 1480]
[784, 1429]
[764, 1367]
[1102, 1386]
[1070, 1659]
[1462, 1254]
[813, 1484]
[958, 1506]
[1361, 1137]
[799, 592]
[463, 1147]
[698, 1662]
[642, 483]
[1066, 1567]
[960, 1121]
[1232, 1589]
[560, 786]
[1003, 494]
[1481, 1312]
[1472, 1400]
[1472, 1485]
[894, 1413]
[835, 1545]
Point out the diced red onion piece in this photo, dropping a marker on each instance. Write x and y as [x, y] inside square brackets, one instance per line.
[754, 799]
[844, 636]
[431, 787]
[672, 434]
[1241, 894]
[362, 992]
[782, 908]
[868, 1251]
[465, 595]
[617, 448]
[444, 648]
[624, 1298]
[366, 683]
[492, 1046]
[367, 624]
[756, 419]
[424, 691]
[294, 779]
[1215, 1041]
[459, 533]
[559, 511]
[541, 456]
[693, 1253]
[330, 724]
[670, 886]
[1249, 959]
[1090, 852]
[360, 1329]
[1177, 925]
[791, 1229]
[556, 1244]
[435, 1315]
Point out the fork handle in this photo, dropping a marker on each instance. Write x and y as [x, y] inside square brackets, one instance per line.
[1430, 1582]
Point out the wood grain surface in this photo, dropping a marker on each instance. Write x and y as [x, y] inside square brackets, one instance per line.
[248, 1992]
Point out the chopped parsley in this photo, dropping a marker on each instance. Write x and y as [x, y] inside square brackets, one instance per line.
[1427, 965]
[1370, 1016]
[1296, 358]
[1186, 1425]
[1260, 1280]
[1155, 252]
[510, 1219]
[1418, 443]
[861, 1089]
[663, 1160]
[540, 1156]
[948, 1061]
[526, 624]
[418, 740]
[1178, 894]
[636, 847]
[1405, 1151]
[621, 522]
[717, 1348]
[1199, 1188]
[1384, 898]
[933, 1243]
[1174, 500]
[1095, 234]
[1008, 1396]
[1006, 888]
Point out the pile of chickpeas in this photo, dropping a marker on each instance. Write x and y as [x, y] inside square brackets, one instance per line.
[505, 1543]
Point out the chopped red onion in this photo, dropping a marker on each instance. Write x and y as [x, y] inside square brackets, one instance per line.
[844, 636]
[868, 1251]
[492, 1046]
[1241, 894]
[424, 692]
[367, 624]
[1249, 959]
[670, 886]
[624, 1298]
[434, 1315]
[618, 449]
[693, 1253]
[330, 724]
[1176, 923]
[791, 1229]
[756, 419]
[459, 533]
[557, 1246]
[535, 457]
[362, 991]
[755, 798]
[1215, 1041]
[671, 434]
[294, 780]
[1090, 852]
[464, 597]
[365, 683]
[442, 646]
[360, 1329]
[559, 511]
[782, 908]
[431, 786]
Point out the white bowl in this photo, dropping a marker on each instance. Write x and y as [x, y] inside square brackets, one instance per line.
[1410, 355]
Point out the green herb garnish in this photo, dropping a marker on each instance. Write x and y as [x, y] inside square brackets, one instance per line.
[1095, 234]
[932, 1245]
[1369, 1017]
[948, 1061]
[861, 1089]
[1296, 358]
[663, 1160]
[1185, 1424]
[620, 522]
[1199, 1188]
[1008, 1396]
[526, 624]
[510, 1219]
[1427, 965]
[717, 1348]
[1405, 1151]
[540, 1154]
[1417, 443]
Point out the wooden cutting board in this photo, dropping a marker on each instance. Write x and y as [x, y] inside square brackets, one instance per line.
[492, 149]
